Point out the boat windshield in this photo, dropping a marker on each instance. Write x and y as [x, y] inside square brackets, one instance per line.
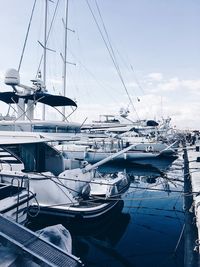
[54, 129]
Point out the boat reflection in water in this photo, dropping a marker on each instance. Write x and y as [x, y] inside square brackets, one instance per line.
[132, 169]
[101, 234]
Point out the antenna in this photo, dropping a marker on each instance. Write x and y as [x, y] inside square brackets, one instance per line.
[65, 54]
[64, 57]
[45, 53]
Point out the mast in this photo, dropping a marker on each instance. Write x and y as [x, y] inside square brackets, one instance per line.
[65, 55]
[45, 53]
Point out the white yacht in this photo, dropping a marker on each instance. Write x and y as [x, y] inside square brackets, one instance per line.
[118, 123]
[60, 192]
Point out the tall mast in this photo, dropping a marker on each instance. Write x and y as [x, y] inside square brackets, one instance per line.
[65, 56]
[45, 53]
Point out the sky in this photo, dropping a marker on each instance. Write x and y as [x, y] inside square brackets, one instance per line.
[156, 44]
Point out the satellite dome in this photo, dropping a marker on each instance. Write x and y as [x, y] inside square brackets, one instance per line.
[12, 77]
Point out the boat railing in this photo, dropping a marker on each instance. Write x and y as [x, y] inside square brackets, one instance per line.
[21, 184]
[18, 192]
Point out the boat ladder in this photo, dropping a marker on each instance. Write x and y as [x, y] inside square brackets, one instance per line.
[19, 186]
[41, 251]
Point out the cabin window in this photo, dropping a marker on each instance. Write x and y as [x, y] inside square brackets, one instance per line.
[44, 129]
[53, 129]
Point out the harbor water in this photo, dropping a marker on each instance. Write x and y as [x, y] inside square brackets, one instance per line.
[144, 229]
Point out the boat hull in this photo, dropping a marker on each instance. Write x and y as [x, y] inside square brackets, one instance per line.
[76, 212]
[155, 160]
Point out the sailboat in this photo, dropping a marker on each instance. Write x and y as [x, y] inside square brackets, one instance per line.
[26, 98]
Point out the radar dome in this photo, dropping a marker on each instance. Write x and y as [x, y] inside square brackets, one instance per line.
[12, 77]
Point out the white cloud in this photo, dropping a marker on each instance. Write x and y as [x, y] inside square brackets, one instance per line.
[170, 85]
[191, 84]
[174, 84]
[155, 76]
[132, 84]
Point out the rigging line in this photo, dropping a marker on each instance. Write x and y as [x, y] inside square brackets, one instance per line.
[137, 189]
[157, 209]
[25, 112]
[8, 110]
[137, 81]
[95, 198]
[16, 111]
[181, 193]
[60, 182]
[70, 189]
[83, 122]
[143, 193]
[73, 110]
[105, 86]
[137, 198]
[108, 39]
[113, 60]
[65, 118]
[102, 183]
[26, 38]
[175, 210]
[111, 47]
[47, 177]
[109, 42]
[50, 28]
[134, 187]
[149, 228]
[59, 185]
[154, 214]
[132, 70]
[179, 240]
[153, 189]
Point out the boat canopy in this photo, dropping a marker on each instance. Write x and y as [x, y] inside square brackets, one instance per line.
[47, 99]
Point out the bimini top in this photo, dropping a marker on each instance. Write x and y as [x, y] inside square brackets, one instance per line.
[47, 99]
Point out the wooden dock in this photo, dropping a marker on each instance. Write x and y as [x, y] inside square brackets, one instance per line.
[192, 207]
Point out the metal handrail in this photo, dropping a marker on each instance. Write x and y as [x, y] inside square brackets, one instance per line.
[18, 185]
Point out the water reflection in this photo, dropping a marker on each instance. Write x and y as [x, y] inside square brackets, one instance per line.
[139, 169]
[130, 168]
